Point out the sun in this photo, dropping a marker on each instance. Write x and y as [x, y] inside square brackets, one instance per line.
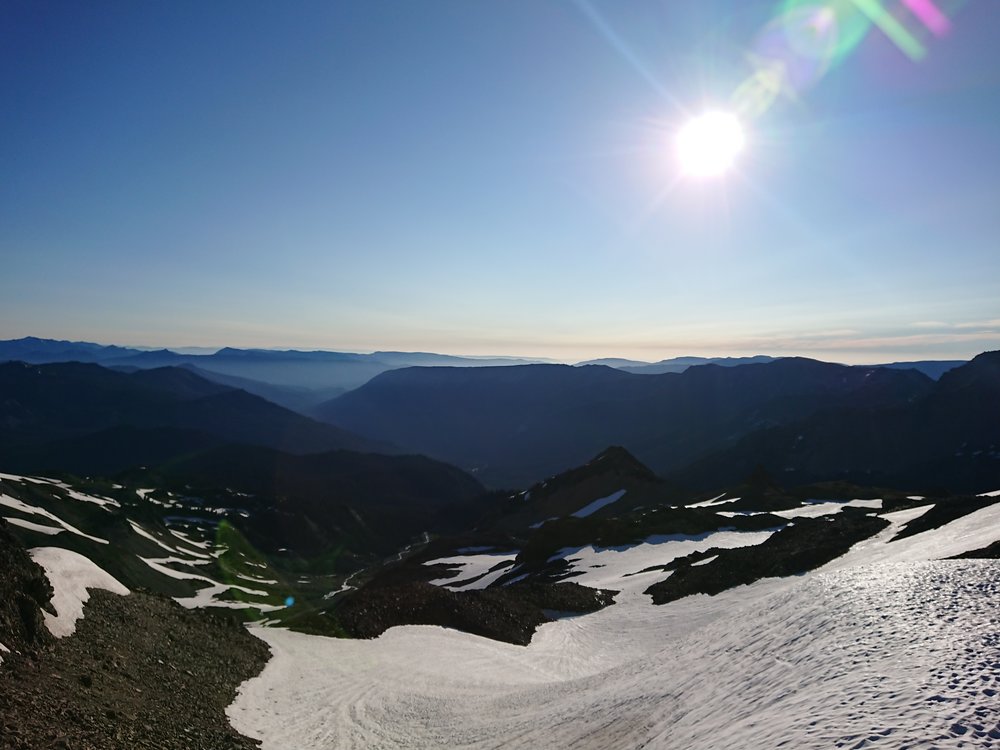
[708, 145]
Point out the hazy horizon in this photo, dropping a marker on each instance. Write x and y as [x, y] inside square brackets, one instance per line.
[512, 354]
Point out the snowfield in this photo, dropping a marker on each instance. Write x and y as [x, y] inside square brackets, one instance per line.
[621, 568]
[886, 647]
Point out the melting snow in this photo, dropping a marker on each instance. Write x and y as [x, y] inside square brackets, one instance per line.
[620, 568]
[265, 581]
[33, 480]
[472, 567]
[193, 542]
[879, 648]
[207, 597]
[713, 502]
[814, 508]
[541, 523]
[105, 502]
[16, 504]
[598, 504]
[31, 526]
[71, 575]
[173, 550]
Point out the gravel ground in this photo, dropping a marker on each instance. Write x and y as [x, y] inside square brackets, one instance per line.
[140, 673]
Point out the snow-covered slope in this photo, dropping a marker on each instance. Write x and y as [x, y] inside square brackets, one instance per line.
[72, 576]
[180, 546]
[887, 647]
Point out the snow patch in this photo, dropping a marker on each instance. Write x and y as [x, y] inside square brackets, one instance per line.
[208, 597]
[71, 575]
[598, 504]
[472, 567]
[713, 502]
[815, 508]
[104, 502]
[20, 479]
[542, 523]
[31, 526]
[624, 568]
[15, 504]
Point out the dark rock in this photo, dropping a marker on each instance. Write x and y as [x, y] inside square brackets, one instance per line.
[24, 593]
[808, 544]
[945, 510]
[508, 614]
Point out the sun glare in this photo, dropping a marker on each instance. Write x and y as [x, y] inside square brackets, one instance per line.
[707, 146]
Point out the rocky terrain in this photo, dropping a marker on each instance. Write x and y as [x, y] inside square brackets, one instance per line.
[140, 672]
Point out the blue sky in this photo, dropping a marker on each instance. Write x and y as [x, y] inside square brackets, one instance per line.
[491, 177]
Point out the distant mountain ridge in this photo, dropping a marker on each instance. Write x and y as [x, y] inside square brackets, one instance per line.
[932, 368]
[51, 415]
[514, 426]
[310, 485]
[680, 364]
[297, 374]
[950, 438]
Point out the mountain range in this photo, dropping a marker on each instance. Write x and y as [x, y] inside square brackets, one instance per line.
[516, 425]
[295, 379]
[302, 380]
[126, 591]
[509, 426]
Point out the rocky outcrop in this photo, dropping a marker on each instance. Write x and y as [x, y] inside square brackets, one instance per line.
[510, 613]
[24, 593]
[808, 544]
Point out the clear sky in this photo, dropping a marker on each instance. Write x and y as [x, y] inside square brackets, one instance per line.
[499, 177]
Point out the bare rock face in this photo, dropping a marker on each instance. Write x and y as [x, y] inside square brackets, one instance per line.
[24, 593]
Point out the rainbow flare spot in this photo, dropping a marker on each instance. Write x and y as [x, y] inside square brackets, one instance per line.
[930, 15]
[795, 50]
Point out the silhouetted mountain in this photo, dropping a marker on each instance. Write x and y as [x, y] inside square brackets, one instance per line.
[48, 409]
[932, 368]
[106, 452]
[617, 362]
[321, 371]
[949, 438]
[613, 482]
[485, 418]
[429, 359]
[311, 370]
[513, 426]
[680, 364]
[45, 351]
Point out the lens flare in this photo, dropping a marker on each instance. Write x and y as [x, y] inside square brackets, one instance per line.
[707, 146]
[808, 38]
